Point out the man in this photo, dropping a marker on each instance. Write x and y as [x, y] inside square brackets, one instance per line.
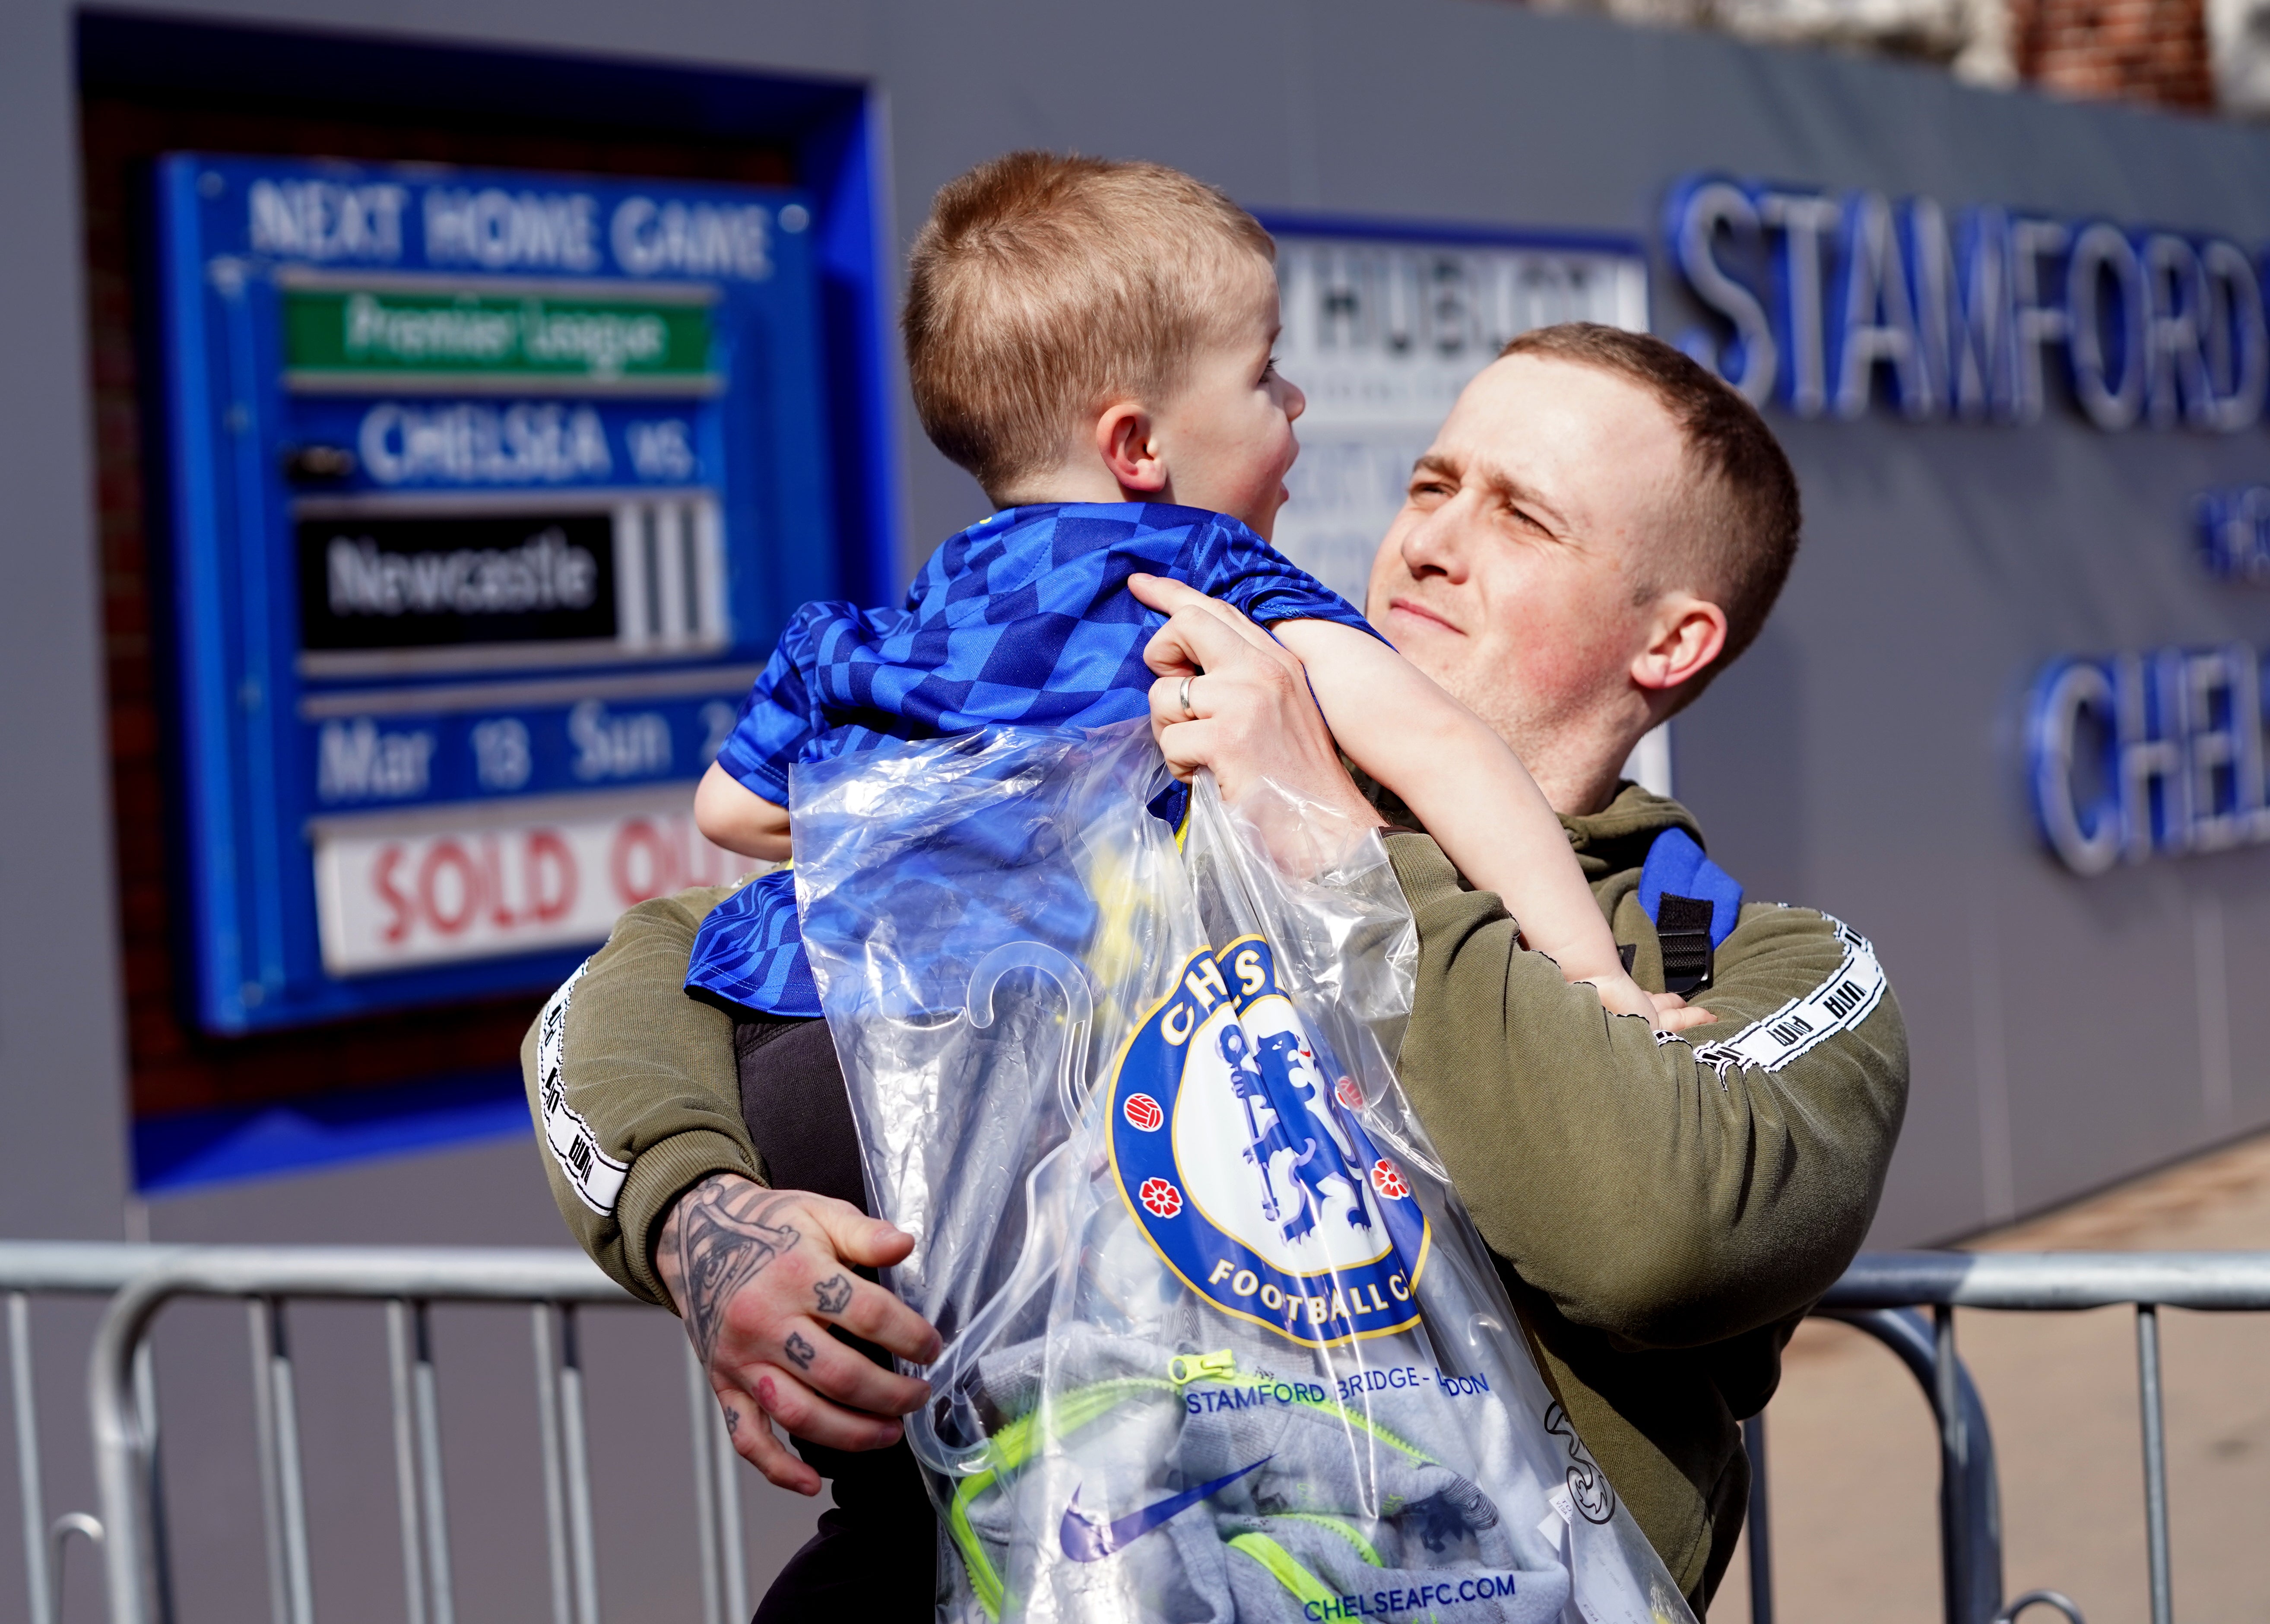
[1599, 527]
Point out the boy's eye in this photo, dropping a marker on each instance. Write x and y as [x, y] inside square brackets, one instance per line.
[1268, 371]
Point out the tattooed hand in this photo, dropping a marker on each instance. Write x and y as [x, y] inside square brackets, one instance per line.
[759, 1275]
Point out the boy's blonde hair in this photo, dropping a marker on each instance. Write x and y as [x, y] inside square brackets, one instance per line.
[1043, 288]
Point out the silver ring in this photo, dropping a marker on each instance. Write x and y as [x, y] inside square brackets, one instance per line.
[1189, 715]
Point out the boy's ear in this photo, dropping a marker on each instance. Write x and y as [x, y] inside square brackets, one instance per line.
[1126, 437]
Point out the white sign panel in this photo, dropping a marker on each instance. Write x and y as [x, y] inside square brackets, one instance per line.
[458, 883]
[1382, 331]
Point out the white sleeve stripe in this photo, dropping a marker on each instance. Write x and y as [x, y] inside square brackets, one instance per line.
[596, 1177]
[1848, 996]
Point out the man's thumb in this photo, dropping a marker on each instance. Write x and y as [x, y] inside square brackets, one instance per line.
[871, 1242]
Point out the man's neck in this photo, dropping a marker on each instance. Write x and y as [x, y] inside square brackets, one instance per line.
[1578, 764]
[1581, 794]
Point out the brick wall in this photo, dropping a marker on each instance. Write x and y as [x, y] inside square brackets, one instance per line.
[2126, 50]
[175, 1068]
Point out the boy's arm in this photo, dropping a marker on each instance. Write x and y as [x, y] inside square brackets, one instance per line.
[730, 814]
[1671, 1194]
[1470, 791]
[1462, 780]
[741, 802]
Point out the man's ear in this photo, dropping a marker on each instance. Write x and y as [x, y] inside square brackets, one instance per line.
[1685, 634]
[1126, 438]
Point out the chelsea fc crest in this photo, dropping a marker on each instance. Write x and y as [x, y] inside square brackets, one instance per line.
[1238, 1146]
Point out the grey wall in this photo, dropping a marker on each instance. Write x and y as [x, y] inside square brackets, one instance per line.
[1860, 760]
[62, 1052]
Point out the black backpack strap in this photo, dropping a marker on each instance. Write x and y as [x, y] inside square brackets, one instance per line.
[1694, 905]
[1682, 924]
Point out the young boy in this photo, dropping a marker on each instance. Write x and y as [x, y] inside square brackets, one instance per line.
[1092, 341]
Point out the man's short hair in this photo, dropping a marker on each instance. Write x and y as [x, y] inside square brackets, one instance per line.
[1043, 288]
[1741, 516]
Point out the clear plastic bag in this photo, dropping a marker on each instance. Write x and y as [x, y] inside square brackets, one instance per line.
[1221, 1342]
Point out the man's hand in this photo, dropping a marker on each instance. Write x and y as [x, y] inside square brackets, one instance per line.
[1255, 719]
[757, 1276]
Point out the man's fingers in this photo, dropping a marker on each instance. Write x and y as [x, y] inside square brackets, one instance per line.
[1163, 593]
[806, 1415]
[846, 1376]
[754, 1442]
[1166, 655]
[1167, 701]
[1211, 637]
[874, 1315]
[1171, 597]
[1188, 745]
[870, 1244]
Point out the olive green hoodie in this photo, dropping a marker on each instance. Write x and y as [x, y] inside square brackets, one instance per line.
[1664, 1212]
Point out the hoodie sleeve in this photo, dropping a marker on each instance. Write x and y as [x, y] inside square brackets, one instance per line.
[634, 1089]
[1669, 1192]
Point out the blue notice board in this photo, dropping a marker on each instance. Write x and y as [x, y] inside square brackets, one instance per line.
[488, 492]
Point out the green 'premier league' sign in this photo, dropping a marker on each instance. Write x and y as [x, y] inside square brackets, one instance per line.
[351, 336]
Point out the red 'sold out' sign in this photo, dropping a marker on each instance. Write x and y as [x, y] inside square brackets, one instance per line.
[428, 890]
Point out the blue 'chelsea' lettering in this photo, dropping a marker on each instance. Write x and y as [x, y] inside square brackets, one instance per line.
[2133, 756]
[1830, 305]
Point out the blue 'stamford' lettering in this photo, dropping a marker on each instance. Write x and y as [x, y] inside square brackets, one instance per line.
[1831, 304]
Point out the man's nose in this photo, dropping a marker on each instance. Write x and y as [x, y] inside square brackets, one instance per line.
[1437, 546]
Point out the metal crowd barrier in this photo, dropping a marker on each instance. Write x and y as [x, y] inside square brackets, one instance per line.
[141, 1279]
[1883, 1293]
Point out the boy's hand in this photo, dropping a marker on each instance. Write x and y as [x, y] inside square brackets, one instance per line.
[1674, 1013]
[1620, 994]
[759, 1275]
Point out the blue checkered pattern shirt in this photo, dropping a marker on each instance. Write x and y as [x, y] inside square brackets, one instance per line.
[1023, 620]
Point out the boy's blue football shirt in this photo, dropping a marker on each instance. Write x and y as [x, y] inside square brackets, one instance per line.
[1023, 620]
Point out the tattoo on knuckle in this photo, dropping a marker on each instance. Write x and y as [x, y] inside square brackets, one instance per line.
[834, 1295]
[798, 1352]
